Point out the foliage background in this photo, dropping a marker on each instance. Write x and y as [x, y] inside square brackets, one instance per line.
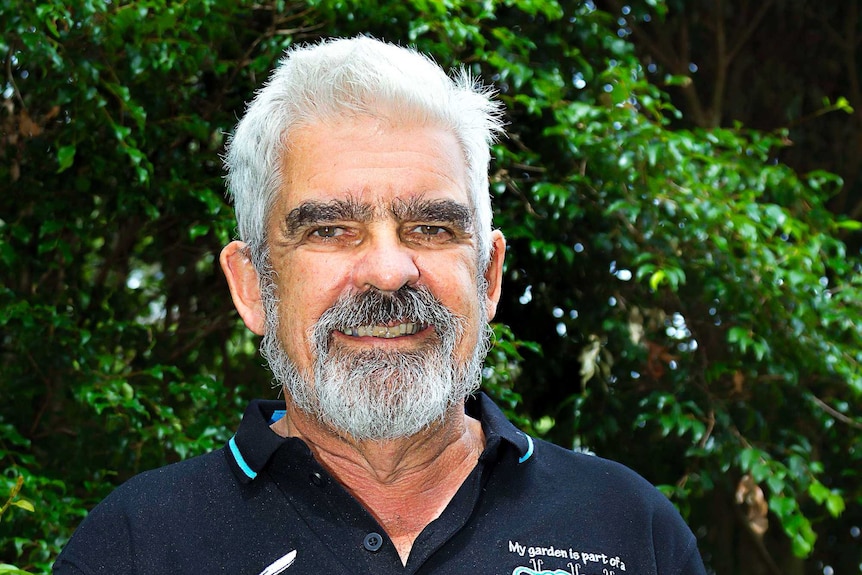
[680, 189]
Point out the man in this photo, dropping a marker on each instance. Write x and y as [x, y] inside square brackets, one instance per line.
[369, 265]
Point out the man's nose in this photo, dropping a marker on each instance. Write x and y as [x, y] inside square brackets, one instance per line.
[386, 264]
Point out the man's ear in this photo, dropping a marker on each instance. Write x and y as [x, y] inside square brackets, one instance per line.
[494, 273]
[244, 284]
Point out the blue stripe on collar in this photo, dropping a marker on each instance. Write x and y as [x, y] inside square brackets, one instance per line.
[529, 452]
[276, 415]
[240, 460]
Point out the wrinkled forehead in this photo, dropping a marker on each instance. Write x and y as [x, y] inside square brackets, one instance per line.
[364, 166]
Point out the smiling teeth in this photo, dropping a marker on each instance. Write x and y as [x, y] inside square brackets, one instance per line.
[384, 331]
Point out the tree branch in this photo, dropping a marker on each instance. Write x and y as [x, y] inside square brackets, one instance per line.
[835, 413]
[747, 31]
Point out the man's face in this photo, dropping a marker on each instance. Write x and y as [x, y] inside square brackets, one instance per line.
[377, 217]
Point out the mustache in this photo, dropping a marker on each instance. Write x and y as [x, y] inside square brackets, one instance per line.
[376, 307]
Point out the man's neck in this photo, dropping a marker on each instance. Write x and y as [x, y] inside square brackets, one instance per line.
[404, 483]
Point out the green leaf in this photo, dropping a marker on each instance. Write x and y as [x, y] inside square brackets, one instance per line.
[6, 569]
[656, 279]
[850, 225]
[65, 158]
[24, 504]
[198, 230]
[835, 504]
[818, 491]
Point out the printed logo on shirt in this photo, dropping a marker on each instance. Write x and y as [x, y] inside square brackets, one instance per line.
[280, 565]
[552, 560]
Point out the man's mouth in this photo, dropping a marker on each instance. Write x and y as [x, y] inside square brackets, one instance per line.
[385, 331]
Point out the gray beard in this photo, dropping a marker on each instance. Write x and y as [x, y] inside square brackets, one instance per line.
[376, 394]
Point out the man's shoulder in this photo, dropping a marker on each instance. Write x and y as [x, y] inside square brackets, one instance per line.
[581, 473]
[156, 504]
[188, 480]
[591, 476]
[197, 468]
[555, 455]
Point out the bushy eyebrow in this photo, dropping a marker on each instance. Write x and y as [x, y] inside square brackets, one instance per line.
[422, 210]
[313, 212]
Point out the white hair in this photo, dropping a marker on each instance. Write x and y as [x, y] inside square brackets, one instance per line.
[356, 77]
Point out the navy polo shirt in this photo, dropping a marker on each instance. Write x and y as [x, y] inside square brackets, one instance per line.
[262, 505]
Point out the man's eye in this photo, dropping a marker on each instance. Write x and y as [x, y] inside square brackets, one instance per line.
[427, 230]
[327, 232]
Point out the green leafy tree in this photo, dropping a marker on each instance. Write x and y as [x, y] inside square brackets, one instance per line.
[693, 309]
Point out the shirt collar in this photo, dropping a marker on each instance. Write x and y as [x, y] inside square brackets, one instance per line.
[498, 429]
[250, 450]
[254, 443]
